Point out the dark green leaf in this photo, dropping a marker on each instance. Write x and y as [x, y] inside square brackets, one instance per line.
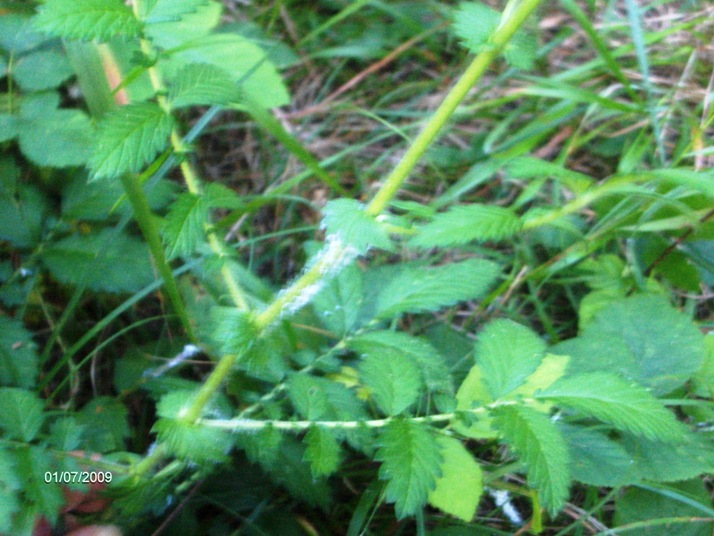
[411, 464]
[18, 359]
[32, 464]
[667, 462]
[322, 451]
[321, 399]
[22, 413]
[393, 379]
[60, 138]
[105, 423]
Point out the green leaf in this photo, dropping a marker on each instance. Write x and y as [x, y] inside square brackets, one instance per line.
[322, 451]
[21, 417]
[667, 462]
[65, 434]
[106, 424]
[17, 34]
[474, 23]
[9, 127]
[196, 443]
[458, 490]
[641, 338]
[615, 401]
[60, 138]
[473, 394]
[32, 464]
[243, 60]
[18, 358]
[130, 137]
[203, 84]
[233, 330]
[87, 20]
[183, 228]
[22, 208]
[40, 70]
[106, 261]
[462, 224]
[432, 366]
[417, 288]
[153, 11]
[191, 26]
[508, 353]
[411, 464]
[339, 302]
[321, 399]
[393, 380]
[541, 447]
[597, 460]
[347, 219]
[690, 501]
[10, 484]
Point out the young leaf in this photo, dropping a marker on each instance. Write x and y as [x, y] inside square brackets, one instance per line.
[508, 353]
[462, 224]
[18, 358]
[129, 137]
[193, 442]
[431, 364]
[615, 401]
[105, 261]
[88, 19]
[411, 464]
[347, 219]
[417, 288]
[233, 330]
[202, 84]
[322, 451]
[473, 394]
[393, 379]
[183, 227]
[542, 448]
[458, 490]
[21, 416]
[338, 303]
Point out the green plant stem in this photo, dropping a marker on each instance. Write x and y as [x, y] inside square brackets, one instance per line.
[505, 31]
[148, 227]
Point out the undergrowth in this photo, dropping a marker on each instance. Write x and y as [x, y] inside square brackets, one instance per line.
[356, 267]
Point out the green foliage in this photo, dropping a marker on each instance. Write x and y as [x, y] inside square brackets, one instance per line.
[322, 451]
[339, 302]
[417, 288]
[233, 330]
[411, 464]
[153, 11]
[203, 84]
[347, 220]
[88, 19]
[618, 402]
[22, 414]
[462, 224]
[129, 138]
[541, 446]
[18, 359]
[393, 379]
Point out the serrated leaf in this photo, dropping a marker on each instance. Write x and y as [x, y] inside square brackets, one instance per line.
[106, 424]
[339, 302]
[458, 490]
[541, 447]
[641, 338]
[597, 460]
[183, 228]
[615, 401]
[411, 464]
[432, 365]
[347, 219]
[65, 434]
[106, 261]
[196, 443]
[87, 20]
[129, 137]
[22, 413]
[473, 24]
[473, 394]
[191, 26]
[321, 399]
[393, 380]
[32, 464]
[153, 11]
[667, 462]
[233, 330]
[462, 224]
[10, 484]
[508, 353]
[18, 358]
[322, 451]
[244, 61]
[203, 84]
[417, 289]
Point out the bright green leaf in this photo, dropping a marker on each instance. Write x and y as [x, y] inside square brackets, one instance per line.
[339, 302]
[458, 490]
[347, 219]
[411, 464]
[321, 399]
[473, 394]
[202, 84]
[233, 330]
[87, 20]
[462, 224]
[508, 353]
[322, 451]
[153, 11]
[184, 225]
[393, 379]
[615, 401]
[196, 443]
[130, 137]
[22, 413]
[417, 288]
[541, 447]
